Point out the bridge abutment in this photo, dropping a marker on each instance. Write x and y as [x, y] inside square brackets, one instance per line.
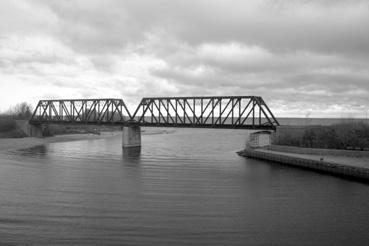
[259, 139]
[29, 129]
[131, 136]
[35, 131]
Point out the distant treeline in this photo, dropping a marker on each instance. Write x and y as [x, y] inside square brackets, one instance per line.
[21, 111]
[338, 136]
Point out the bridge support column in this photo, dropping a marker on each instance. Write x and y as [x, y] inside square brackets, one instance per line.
[131, 136]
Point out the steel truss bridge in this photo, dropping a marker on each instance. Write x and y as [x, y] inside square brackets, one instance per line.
[233, 112]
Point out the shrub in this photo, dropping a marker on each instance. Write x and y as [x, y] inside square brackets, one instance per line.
[348, 135]
[7, 125]
[8, 129]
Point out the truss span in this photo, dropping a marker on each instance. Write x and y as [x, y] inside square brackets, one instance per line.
[81, 111]
[235, 112]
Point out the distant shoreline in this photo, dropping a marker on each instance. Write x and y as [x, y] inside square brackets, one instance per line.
[9, 144]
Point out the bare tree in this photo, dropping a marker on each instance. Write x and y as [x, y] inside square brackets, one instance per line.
[21, 111]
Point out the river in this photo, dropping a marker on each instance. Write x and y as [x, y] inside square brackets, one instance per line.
[184, 187]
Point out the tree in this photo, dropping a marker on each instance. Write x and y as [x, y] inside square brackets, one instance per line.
[21, 111]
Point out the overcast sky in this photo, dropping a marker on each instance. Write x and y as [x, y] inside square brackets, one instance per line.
[304, 57]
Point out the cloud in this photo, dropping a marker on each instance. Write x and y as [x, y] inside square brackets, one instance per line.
[300, 55]
[103, 26]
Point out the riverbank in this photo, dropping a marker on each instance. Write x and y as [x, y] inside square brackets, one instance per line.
[7, 144]
[339, 165]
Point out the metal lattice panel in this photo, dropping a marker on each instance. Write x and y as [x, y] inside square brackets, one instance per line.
[247, 112]
[81, 111]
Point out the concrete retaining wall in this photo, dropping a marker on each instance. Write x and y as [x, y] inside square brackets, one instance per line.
[321, 166]
[314, 151]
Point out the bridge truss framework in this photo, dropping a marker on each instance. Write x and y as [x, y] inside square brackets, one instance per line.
[81, 111]
[247, 112]
[235, 112]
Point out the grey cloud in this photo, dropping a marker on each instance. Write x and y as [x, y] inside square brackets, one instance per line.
[96, 26]
[310, 81]
[315, 52]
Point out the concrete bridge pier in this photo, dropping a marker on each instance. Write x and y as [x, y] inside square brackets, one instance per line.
[131, 136]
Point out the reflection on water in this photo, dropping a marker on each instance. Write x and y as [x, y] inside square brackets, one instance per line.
[185, 187]
[131, 153]
[36, 151]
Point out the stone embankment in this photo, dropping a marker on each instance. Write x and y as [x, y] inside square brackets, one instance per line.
[349, 164]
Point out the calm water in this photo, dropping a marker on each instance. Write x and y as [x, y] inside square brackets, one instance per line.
[185, 187]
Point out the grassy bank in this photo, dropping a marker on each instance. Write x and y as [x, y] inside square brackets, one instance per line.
[338, 136]
[9, 129]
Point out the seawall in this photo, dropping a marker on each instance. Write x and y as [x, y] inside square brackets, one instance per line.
[348, 171]
[317, 151]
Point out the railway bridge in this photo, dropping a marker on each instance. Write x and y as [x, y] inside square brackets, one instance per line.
[231, 112]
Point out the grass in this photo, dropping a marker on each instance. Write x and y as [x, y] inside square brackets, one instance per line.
[339, 136]
[9, 129]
